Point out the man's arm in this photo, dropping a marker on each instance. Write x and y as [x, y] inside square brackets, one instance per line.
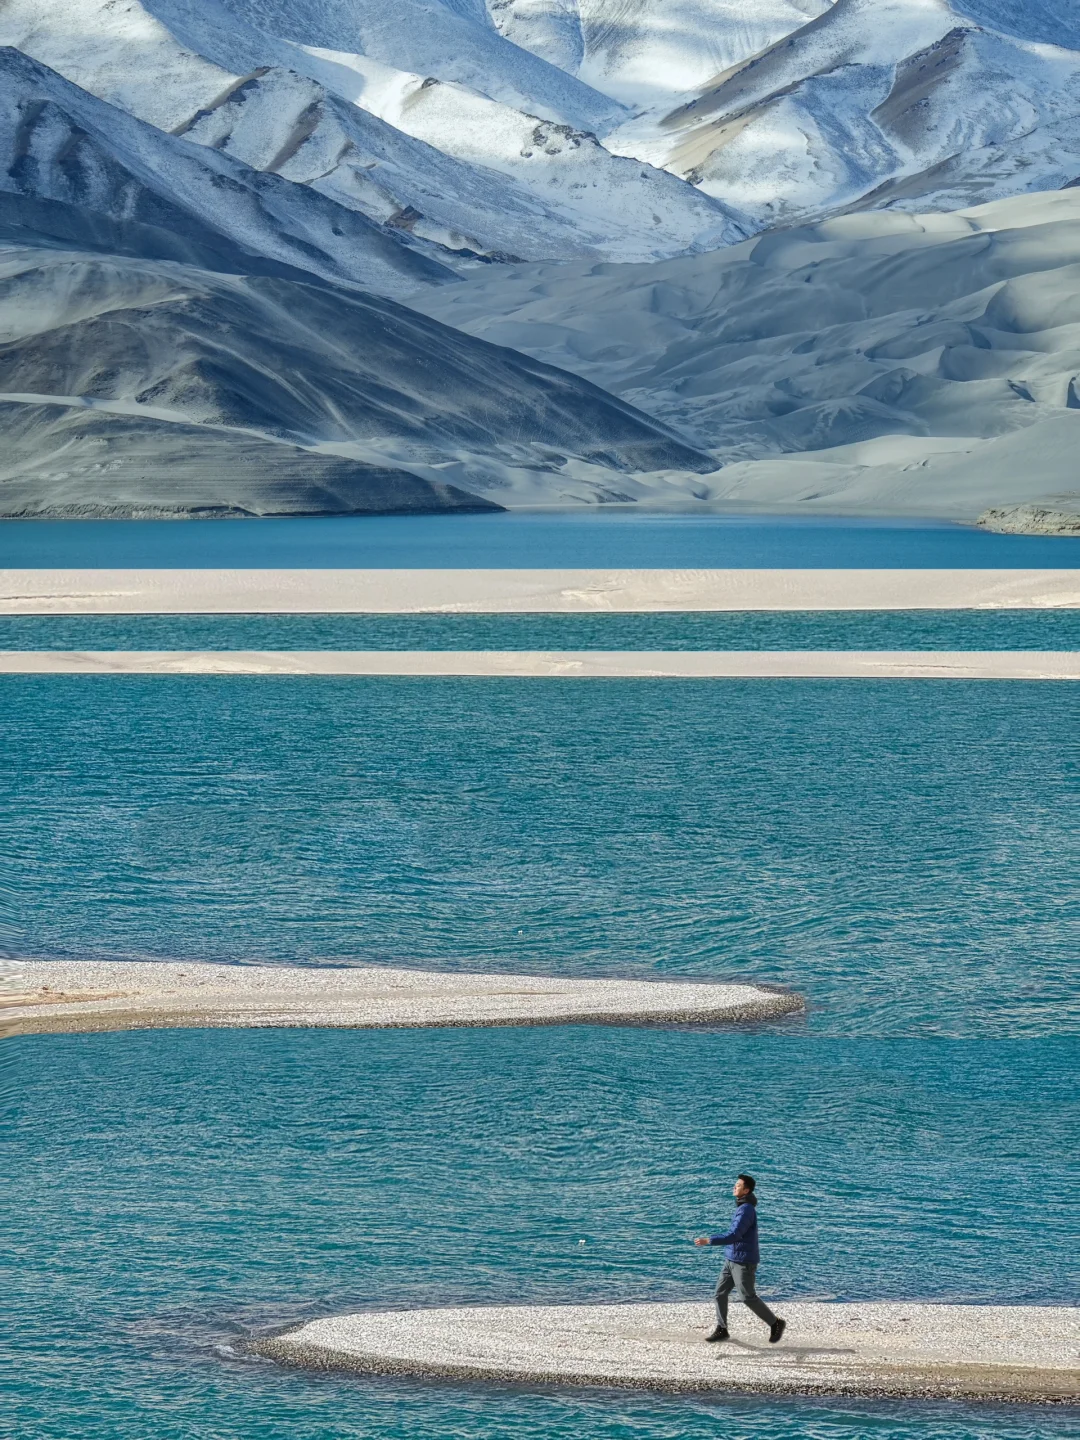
[743, 1220]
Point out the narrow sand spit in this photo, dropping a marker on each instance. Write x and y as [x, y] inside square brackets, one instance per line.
[63, 995]
[346, 592]
[561, 664]
[962, 1351]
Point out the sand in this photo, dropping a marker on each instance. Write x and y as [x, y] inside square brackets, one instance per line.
[207, 592]
[61, 995]
[566, 664]
[955, 1351]
[880, 362]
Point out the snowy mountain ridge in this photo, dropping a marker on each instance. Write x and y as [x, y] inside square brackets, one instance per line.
[618, 129]
[620, 227]
[885, 103]
[451, 165]
[77, 169]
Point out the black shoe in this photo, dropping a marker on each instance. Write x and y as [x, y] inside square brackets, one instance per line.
[718, 1334]
[776, 1331]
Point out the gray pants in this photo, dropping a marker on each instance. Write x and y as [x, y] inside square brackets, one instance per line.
[740, 1278]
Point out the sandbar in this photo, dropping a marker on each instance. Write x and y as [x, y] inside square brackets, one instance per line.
[50, 996]
[561, 664]
[505, 591]
[988, 1352]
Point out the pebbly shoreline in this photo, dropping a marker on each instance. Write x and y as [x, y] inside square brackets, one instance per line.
[897, 1349]
[53, 996]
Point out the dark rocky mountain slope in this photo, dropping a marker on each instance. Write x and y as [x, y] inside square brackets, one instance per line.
[262, 378]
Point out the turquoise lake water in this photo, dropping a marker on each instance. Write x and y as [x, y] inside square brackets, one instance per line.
[176, 1191]
[903, 853]
[589, 539]
[751, 630]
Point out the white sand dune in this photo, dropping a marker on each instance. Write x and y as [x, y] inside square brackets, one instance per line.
[62, 995]
[386, 592]
[876, 362]
[899, 1348]
[562, 665]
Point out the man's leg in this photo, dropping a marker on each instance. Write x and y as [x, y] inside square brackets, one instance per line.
[724, 1287]
[743, 1282]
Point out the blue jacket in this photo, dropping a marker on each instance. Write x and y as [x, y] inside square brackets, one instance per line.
[742, 1239]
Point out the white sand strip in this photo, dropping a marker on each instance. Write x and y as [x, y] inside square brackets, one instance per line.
[984, 1351]
[265, 592]
[64, 995]
[562, 664]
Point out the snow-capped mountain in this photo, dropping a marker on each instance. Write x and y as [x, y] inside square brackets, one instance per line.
[79, 170]
[648, 52]
[1047, 22]
[778, 109]
[615, 129]
[209, 207]
[898, 103]
[444, 162]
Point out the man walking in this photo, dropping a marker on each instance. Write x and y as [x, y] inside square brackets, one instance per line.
[742, 1262]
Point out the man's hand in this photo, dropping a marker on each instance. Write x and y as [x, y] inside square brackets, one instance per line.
[702, 1240]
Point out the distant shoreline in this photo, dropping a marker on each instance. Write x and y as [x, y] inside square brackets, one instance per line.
[523, 591]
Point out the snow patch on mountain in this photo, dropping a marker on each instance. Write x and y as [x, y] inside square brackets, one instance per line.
[648, 52]
[781, 110]
[79, 170]
[117, 51]
[273, 119]
[449, 40]
[875, 102]
[621, 207]
[445, 164]
[1047, 22]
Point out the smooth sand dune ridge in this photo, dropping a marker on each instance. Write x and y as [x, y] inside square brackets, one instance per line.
[931, 359]
[62, 995]
[510, 591]
[974, 1351]
[562, 664]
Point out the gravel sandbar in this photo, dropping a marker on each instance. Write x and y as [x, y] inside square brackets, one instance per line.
[63, 995]
[988, 1352]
